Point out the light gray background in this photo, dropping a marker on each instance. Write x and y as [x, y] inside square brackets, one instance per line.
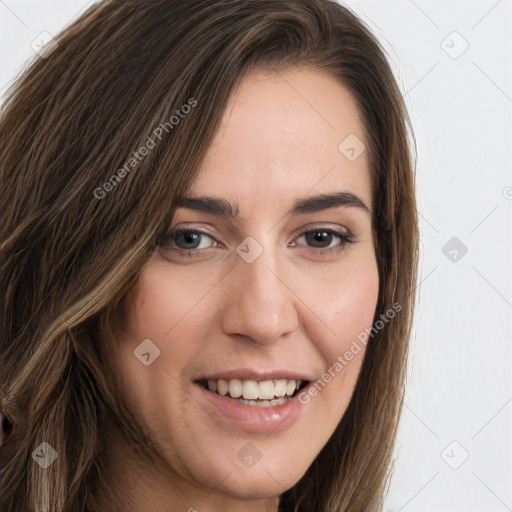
[459, 399]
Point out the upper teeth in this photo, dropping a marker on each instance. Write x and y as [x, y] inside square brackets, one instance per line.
[252, 390]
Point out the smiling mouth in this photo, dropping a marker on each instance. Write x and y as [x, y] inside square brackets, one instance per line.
[267, 393]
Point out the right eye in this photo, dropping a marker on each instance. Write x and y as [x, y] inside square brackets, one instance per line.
[186, 241]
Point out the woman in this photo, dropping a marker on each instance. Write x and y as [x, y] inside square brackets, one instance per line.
[206, 208]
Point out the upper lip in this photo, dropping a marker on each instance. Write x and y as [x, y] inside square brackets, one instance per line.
[257, 375]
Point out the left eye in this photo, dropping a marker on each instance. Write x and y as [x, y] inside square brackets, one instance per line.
[316, 238]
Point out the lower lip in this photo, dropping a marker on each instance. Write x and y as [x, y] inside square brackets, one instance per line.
[252, 418]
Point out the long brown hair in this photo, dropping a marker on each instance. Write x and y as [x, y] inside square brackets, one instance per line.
[76, 230]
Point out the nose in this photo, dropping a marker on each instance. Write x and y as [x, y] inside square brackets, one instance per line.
[260, 304]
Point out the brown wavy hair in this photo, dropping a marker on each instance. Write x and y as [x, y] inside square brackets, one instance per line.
[72, 119]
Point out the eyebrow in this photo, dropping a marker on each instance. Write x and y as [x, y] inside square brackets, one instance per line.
[223, 208]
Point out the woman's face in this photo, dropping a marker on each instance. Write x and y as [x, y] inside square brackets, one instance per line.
[244, 300]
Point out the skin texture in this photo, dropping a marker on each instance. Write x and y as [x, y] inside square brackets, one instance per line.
[291, 308]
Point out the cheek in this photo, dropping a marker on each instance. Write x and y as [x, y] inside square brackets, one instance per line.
[356, 302]
[346, 304]
[346, 299]
[162, 301]
[170, 315]
[170, 309]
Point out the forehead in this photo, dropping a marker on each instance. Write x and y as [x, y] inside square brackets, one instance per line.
[280, 137]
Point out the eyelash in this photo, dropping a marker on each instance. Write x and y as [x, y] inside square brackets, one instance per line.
[166, 241]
